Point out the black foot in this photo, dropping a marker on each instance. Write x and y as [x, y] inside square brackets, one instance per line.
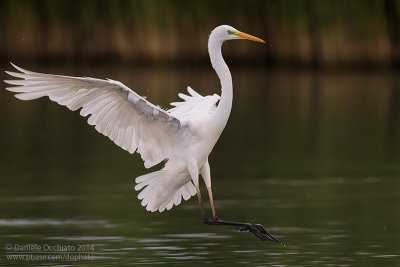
[257, 229]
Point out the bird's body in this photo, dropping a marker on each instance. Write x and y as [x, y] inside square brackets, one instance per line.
[183, 136]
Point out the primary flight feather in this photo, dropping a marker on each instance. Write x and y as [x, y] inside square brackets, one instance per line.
[183, 136]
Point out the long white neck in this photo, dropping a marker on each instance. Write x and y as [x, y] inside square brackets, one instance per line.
[221, 114]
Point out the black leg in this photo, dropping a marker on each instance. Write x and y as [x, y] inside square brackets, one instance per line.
[257, 229]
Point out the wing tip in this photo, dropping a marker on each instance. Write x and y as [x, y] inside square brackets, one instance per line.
[19, 68]
[13, 89]
[192, 92]
[22, 97]
[9, 73]
[183, 96]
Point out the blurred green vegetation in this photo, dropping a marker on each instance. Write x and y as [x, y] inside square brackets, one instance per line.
[299, 32]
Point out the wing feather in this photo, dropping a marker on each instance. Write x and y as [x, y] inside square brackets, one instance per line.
[116, 111]
[195, 107]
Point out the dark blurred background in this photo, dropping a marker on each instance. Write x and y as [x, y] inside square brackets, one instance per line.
[298, 32]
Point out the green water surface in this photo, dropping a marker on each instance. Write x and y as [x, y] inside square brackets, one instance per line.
[313, 156]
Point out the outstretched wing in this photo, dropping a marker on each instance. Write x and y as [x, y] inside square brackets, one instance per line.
[132, 122]
[195, 107]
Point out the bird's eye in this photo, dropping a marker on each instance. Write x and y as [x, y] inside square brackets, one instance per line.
[230, 32]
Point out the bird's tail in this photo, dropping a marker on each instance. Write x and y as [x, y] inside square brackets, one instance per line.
[162, 189]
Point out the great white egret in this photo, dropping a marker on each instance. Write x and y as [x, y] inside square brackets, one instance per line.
[183, 136]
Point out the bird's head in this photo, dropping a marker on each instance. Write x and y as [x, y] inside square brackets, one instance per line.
[225, 32]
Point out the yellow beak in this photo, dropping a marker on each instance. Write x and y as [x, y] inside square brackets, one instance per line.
[248, 37]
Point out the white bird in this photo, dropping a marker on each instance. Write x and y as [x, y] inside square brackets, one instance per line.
[183, 136]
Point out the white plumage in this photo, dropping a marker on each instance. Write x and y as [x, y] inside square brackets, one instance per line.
[183, 136]
[132, 122]
[194, 107]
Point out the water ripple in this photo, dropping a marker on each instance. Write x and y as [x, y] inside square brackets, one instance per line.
[198, 235]
[158, 240]
[386, 256]
[164, 248]
[51, 222]
[39, 198]
[87, 238]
